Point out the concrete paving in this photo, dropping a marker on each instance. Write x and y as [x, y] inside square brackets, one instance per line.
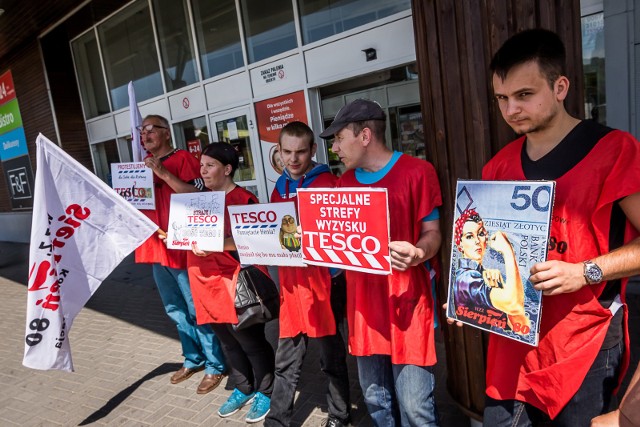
[124, 350]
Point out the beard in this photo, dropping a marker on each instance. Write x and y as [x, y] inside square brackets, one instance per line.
[541, 124]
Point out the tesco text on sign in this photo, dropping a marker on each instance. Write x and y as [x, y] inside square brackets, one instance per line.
[346, 228]
[265, 234]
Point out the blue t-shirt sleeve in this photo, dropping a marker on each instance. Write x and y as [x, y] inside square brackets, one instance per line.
[435, 214]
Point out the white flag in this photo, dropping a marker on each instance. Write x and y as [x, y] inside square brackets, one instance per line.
[81, 230]
[139, 153]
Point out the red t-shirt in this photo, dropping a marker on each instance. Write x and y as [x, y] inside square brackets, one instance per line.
[213, 278]
[393, 315]
[305, 292]
[573, 325]
[185, 167]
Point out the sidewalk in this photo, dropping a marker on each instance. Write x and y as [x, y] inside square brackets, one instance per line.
[124, 350]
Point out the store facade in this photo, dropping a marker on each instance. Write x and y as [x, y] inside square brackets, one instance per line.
[231, 71]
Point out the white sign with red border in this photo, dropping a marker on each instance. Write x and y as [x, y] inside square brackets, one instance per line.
[346, 228]
[134, 182]
[197, 218]
[265, 234]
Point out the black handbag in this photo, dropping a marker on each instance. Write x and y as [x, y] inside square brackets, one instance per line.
[257, 298]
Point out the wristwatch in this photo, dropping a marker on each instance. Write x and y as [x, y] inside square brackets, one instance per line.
[592, 273]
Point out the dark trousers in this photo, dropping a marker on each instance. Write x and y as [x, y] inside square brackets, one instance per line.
[250, 357]
[333, 354]
[592, 399]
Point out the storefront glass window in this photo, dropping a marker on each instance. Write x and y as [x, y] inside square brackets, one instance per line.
[218, 35]
[324, 18]
[105, 153]
[235, 131]
[192, 135]
[268, 27]
[129, 53]
[176, 45]
[90, 78]
[593, 67]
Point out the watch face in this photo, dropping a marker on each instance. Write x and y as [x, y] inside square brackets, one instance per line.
[593, 273]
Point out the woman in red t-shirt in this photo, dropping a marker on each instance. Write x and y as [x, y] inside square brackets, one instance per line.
[213, 277]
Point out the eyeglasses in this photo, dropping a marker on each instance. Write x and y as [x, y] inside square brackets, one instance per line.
[149, 128]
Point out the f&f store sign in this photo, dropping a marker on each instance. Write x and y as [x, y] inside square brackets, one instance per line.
[13, 147]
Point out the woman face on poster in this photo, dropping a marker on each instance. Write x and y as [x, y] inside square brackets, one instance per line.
[471, 236]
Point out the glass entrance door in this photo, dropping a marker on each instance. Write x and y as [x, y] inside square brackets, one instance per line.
[237, 127]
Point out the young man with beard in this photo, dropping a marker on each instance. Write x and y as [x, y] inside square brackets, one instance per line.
[571, 376]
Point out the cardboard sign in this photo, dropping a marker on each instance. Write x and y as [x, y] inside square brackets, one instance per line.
[346, 228]
[134, 182]
[265, 234]
[199, 218]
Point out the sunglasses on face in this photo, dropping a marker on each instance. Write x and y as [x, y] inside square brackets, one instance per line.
[149, 128]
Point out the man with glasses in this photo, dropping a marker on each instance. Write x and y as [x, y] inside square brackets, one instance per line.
[177, 171]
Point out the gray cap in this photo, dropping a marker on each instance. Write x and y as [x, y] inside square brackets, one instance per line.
[356, 111]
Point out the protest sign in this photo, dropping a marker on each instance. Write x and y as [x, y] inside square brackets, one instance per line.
[265, 234]
[500, 229]
[199, 218]
[134, 182]
[345, 228]
[80, 231]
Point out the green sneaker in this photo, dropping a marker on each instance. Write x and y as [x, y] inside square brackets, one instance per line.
[236, 401]
[259, 409]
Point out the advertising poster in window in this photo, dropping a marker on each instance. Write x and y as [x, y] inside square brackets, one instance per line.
[272, 115]
[14, 153]
[134, 182]
[346, 228]
[500, 229]
[196, 218]
[265, 234]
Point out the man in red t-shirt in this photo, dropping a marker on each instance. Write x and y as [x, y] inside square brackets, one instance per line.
[312, 298]
[572, 374]
[176, 171]
[391, 317]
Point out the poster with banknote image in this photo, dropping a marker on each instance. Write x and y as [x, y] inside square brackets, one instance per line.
[500, 230]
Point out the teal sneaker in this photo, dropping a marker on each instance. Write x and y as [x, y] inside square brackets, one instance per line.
[259, 409]
[236, 401]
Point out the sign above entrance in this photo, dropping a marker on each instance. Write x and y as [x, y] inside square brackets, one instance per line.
[278, 77]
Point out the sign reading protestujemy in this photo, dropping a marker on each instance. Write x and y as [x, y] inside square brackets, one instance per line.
[134, 182]
[265, 234]
[346, 228]
[197, 218]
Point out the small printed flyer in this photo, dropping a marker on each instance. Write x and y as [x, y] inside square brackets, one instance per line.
[265, 234]
[134, 182]
[346, 228]
[199, 218]
[500, 229]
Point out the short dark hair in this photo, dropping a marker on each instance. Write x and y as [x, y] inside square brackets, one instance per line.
[377, 127]
[541, 46]
[299, 130]
[224, 153]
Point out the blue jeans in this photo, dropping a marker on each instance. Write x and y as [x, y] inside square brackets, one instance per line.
[397, 394]
[592, 399]
[199, 344]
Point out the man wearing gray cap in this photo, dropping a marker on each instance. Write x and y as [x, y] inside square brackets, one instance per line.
[391, 317]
